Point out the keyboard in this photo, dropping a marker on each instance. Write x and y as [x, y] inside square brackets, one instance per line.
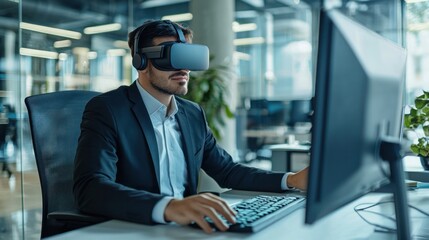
[259, 212]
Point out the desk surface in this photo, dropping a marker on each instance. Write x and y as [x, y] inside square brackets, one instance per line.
[275, 132]
[289, 147]
[342, 224]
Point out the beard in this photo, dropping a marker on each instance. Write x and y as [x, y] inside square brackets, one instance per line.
[167, 86]
[181, 90]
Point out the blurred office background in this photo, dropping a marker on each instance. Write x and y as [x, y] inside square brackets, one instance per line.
[269, 47]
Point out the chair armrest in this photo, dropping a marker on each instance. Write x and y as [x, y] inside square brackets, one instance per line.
[75, 217]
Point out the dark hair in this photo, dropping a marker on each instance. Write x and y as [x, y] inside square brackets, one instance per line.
[153, 29]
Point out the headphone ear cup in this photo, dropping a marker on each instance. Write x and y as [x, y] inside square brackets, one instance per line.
[139, 61]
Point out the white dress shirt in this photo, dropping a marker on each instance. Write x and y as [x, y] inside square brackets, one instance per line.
[172, 164]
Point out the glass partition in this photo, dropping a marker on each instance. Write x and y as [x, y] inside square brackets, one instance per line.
[50, 46]
[11, 186]
[275, 58]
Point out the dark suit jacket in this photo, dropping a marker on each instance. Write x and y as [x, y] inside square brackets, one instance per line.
[117, 165]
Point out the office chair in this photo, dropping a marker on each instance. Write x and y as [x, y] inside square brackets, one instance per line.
[4, 136]
[55, 127]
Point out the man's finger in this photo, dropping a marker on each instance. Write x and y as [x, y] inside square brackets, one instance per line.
[211, 213]
[220, 206]
[203, 224]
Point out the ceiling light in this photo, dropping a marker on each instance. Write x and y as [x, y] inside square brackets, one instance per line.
[102, 28]
[50, 30]
[242, 56]
[121, 44]
[92, 55]
[62, 56]
[415, 1]
[236, 27]
[160, 3]
[248, 41]
[178, 17]
[38, 53]
[62, 44]
[116, 52]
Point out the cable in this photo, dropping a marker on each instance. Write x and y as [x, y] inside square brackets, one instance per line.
[419, 210]
[365, 209]
[371, 205]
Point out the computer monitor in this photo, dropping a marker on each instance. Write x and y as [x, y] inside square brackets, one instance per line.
[358, 102]
[300, 111]
[264, 113]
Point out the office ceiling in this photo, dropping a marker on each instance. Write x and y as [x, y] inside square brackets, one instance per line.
[77, 14]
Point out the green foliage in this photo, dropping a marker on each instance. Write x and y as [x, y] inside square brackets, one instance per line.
[418, 118]
[208, 89]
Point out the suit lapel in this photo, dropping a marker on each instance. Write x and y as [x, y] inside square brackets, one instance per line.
[143, 118]
[189, 147]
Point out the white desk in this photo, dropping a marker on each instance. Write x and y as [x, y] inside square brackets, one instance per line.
[342, 224]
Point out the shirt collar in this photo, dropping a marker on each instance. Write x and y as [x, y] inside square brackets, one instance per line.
[153, 105]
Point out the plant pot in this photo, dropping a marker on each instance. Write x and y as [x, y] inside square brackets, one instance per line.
[425, 163]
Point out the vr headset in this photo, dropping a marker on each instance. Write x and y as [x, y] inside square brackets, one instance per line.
[171, 56]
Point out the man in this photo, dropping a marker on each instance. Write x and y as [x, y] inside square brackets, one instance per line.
[141, 148]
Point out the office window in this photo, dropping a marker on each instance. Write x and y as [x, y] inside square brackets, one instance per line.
[74, 45]
[276, 60]
[417, 35]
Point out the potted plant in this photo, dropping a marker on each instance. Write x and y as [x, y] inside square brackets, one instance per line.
[418, 120]
[208, 89]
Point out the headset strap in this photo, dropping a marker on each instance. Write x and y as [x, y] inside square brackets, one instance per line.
[178, 31]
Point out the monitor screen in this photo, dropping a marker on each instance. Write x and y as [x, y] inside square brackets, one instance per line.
[265, 113]
[358, 99]
[299, 112]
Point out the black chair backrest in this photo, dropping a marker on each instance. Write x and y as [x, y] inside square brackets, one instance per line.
[55, 127]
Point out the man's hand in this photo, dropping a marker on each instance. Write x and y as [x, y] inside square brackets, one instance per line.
[298, 180]
[195, 208]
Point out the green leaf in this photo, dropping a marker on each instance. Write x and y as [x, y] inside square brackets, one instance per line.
[423, 152]
[426, 130]
[414, 148]
[228, 111]
[419, 103]
[425, 109]
[422, 100]
[407, 121]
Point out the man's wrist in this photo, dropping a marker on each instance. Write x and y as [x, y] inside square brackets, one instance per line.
[290, 181]
[159, 210]
[286, 182]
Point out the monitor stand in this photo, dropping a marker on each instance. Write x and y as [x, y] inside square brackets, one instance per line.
[390, 151]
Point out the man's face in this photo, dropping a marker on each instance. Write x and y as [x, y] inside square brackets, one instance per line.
[167, 82]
